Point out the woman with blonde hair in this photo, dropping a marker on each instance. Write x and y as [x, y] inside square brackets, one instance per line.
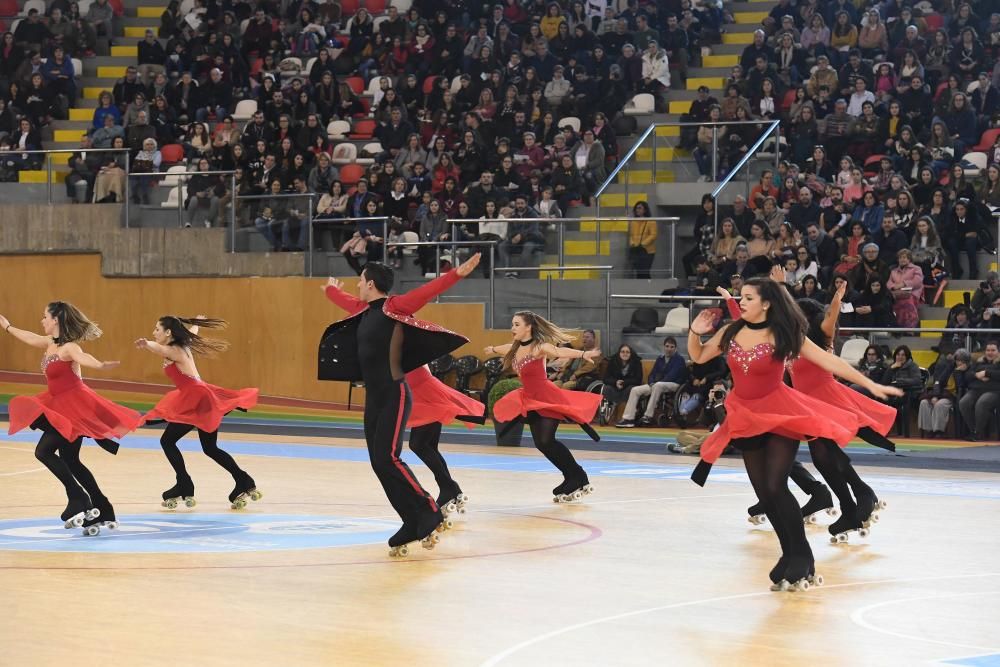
[542, 404]
[70, 411]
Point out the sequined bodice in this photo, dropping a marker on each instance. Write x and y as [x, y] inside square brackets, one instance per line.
[522, 363]
[59, 374]
[755, 371]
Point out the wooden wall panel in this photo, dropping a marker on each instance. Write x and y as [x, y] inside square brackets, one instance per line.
[275, 323]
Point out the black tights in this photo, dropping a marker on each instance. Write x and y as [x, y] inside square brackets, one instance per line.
[174, 432]
[835, 466]
[768, 463]
[424, 443]
[62, 458]
[543, 431]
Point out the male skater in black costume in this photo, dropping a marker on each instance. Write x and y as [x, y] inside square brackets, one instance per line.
[379, 342]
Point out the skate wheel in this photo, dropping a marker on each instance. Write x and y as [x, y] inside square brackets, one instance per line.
[881, 504]
[190, 502]
[834, 540]
[833, 512]
[873, 518]
[577, 495]
[587, 490]
[110, 525]
[450, 508]
[92, 513]
[256, 495]
[461, 509]
[863, 532]
[802, 585]
[462, 499]
[842, 538]
[170, 504]
[77, 521]
[91, 531]
[817, 580]
[783, 586]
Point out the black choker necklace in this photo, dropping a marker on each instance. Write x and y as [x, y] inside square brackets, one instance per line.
[756, 326]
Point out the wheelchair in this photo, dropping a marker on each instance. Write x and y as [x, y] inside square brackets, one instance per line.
[664, 411]
[693, 417]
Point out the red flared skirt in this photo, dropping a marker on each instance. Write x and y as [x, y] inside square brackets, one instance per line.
[552, 402]
[201, 405]
[75, 413]
[434, 401]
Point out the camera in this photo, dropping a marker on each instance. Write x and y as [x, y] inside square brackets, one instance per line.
[985, 286]
[717, 395]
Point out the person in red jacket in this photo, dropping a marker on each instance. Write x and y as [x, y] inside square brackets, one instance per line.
[379, 342]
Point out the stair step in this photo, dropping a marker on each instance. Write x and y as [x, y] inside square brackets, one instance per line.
[125, 51]
[737, 38]
[713, 83]
[567, 275]
[41, 176]
[663, 154]
[111, 72]
[617, 199]
[645, 176]
[924, 358]
[571, 248]
[932, 324]
[606, 226]
[60, 136]
[81, 114]
[750, 17]
[679, 106]
[138, 31]
[149, 12]
[94, 92]
[668, 131]
[724, 60]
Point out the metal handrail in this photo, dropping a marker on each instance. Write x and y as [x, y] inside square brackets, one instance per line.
[548, 289]
[772, 129]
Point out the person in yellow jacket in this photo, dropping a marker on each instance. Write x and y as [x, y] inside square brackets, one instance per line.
[641, 240]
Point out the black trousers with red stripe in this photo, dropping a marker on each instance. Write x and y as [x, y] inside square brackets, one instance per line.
[386, 411]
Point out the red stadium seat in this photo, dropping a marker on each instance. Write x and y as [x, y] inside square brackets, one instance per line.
[986, 141]
[363, 129]
[375, 7]
[172, 154]
[351, 174]
[356, 84]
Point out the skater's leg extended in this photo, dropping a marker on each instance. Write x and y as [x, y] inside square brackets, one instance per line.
[168, 441]
[424, 443]
[827, 461]
[70, 453]
[543, 432]
[209, 445]
[45, 452]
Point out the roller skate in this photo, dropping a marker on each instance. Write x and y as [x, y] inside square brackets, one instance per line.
[777, 572]
[77, 512]
[868, 507]
[800, 575]
[107, 514]
[182, 491]
[819, 501]
[757, 516]
[426, 531]
[572, 489]
[92, 527]
[453, 501]
[245, 489]
[842, 527]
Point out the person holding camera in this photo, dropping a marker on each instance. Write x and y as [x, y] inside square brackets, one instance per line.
[985, 296]
[982, 398]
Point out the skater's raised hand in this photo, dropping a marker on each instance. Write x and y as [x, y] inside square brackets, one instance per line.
[4, 322]
[841, 291]
[105, 365]
[723, 292]
[332, 282]
[468, 266]
[777, 274]
[141, 343]
[704, 323]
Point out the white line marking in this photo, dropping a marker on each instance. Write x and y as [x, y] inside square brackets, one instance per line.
[503, 655]
[20, 472]
[859, 618]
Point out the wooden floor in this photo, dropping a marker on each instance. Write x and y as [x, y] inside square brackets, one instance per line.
[650, 570]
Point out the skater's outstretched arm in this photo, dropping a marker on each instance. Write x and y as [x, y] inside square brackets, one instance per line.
[86, 360]
[502, 350]
[829, 325]
[702, 326]
[417, 298]
[834, 364]
[553, 352]
[334, 292]
[171, 352]
[32, 339]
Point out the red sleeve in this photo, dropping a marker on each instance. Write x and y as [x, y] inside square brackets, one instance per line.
[416, 299]
[734, 308]
[351, 304]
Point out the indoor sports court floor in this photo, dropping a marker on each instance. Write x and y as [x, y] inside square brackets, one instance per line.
[650, 569]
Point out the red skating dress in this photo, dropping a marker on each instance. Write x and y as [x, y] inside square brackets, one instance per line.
[198, 403]
[809, 378]
[434, 401]
[760, 402]
[539, 395]
[72, 408]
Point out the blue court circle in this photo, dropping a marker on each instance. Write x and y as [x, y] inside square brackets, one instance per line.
[198, 533]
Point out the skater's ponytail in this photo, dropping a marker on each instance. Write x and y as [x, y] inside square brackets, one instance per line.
[542, 331]
[182, 335]
[815, 313]
[74, 326]
[786, 322]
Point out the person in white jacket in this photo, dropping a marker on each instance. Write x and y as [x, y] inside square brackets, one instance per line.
[655, 71]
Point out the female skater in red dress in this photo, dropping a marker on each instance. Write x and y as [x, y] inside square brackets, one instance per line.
[875, 420]
[436, 404]
[195, 404]
[69, 412]
[542, 404]
[765, 418]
